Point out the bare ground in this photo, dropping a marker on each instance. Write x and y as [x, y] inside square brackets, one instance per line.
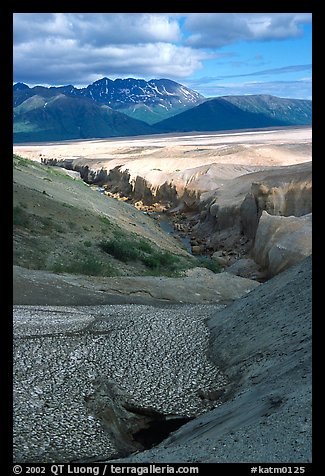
[261, 342]
[160, 158]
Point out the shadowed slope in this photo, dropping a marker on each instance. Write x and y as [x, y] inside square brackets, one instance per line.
[262, 342]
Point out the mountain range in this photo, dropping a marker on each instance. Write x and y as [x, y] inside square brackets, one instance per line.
[126, 107]
[240, 112]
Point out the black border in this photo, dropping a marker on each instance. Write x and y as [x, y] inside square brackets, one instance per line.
[243, 6]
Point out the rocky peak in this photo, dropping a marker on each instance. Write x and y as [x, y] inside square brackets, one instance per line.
[138, 91]
[20, 86]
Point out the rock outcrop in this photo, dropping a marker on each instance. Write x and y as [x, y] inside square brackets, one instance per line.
[128, 425]
[246, 268]
[230, 215]
[238, 204]
[284, 195]
[282, 241]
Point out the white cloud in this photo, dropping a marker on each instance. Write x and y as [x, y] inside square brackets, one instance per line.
[97, 29]
[36, 26]
[57, 48]
[214, 30]
[62, 61]
[78, 48]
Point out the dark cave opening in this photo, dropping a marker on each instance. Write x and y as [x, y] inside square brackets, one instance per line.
[159, 430]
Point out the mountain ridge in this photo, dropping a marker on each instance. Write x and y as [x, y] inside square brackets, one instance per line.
[127, 107]
[240, 112]
[159, 98]
[62, 117]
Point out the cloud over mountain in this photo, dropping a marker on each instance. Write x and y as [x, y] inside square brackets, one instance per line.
[61, 48]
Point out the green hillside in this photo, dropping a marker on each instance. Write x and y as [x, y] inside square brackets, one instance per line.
[63, 118]
[63, 225]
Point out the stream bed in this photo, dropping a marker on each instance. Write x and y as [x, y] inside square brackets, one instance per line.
[167, 226]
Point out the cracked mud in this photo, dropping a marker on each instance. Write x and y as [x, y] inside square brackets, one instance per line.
[65, 357]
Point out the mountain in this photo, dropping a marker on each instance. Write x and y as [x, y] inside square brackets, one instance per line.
[60, 117]
[293, 111]
[122, 107]
[240, 112]
[21, 92]
[20, 87]
[149, 101]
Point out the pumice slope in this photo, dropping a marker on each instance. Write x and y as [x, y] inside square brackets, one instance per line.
[262, 343]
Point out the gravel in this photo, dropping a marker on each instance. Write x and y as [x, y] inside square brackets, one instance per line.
[157, 355]
[262, 343]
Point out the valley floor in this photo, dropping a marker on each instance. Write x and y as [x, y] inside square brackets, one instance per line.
[200, 148]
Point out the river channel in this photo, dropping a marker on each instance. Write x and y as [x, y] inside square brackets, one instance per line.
[167, 226]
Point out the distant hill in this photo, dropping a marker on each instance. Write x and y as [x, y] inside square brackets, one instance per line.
[20, 87]
[293, 111]
[60, 117]
[240, 112]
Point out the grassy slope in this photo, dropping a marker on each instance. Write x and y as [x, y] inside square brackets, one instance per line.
[62, 225]
[63, 118]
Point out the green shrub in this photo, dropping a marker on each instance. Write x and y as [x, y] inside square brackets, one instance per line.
[209, 263]
[151, 262]
[87, 244]
[138, 249]
[59, 228]
[123, 250]
[87, 266]
[105, 220]
[20, 217]
[144, 246]
[161, 260]
[46, 222]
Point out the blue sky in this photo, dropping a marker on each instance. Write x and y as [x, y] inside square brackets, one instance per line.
[214, 53]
